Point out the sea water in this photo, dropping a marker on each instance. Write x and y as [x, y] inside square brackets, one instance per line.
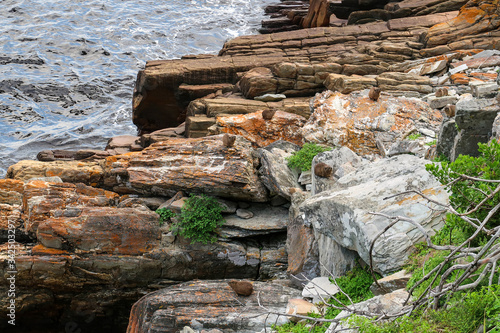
[68, 67]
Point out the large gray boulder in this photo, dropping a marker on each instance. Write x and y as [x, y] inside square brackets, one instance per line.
[344, 212]
[474, 119]
[342, 161]
[276, 176]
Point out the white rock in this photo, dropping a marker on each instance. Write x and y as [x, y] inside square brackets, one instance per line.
[344, 212]
[320, 289]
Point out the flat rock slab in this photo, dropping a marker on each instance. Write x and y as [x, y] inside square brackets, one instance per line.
[320, 289]
[44, 200]
[207, 305]
[266, 219]
[89, 173]
[191, 165]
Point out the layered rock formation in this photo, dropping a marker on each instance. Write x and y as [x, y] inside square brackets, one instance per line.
[92, 245]
[210, 304]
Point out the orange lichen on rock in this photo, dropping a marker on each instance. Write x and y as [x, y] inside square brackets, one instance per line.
[262, 132]
[113, 230]
[356, 121]
[44, 200]
[474, 18]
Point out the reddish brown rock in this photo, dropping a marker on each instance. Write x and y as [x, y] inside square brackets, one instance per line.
[191, 165]
[11, 192]
[89, 173]
[258, 81]
[347, 84]
[261, 132]
[126, 231]
[357, 122]
[476, 17]
[43, 200]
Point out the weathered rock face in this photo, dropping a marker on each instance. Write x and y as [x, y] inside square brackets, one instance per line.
[275, 174]
[191, 165]
[475, 18]
[11, 192]
[343, 213]
[310, 54]
[209, 304]
[474, 119]
[262, 132]
[125, 231]
[44, 200]
[258, 81]
[357, 122]
[89, 173]
[95, 252]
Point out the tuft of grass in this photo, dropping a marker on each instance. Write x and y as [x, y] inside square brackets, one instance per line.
[302, 159]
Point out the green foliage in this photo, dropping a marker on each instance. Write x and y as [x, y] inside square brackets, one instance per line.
[165, 214]
[464, 314]
[355, 283]
[302, 159]
[433, 260]
[301, 327]
[414, 136]
[441, 158]
[467, 194]
[200, 216]
[431, 143]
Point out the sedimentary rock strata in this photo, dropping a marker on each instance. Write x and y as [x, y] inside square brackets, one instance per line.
[192, 165]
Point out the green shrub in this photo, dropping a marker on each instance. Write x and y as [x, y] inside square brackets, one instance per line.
[356, 284]
[467, 194]
[302, 159]
[200, 216]
[165, 214]
[464, 314]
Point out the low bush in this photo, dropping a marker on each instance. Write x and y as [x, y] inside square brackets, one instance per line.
[302, 159]
[200, 216]
[165, 214]
[465, 313]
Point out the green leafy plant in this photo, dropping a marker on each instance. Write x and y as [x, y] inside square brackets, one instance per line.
[302, 159]
[200, 216]
[414, 136]
[431, 143]
[356, 283]
[465, 313]
[463, 179]
[441, 158]
[165, 214]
